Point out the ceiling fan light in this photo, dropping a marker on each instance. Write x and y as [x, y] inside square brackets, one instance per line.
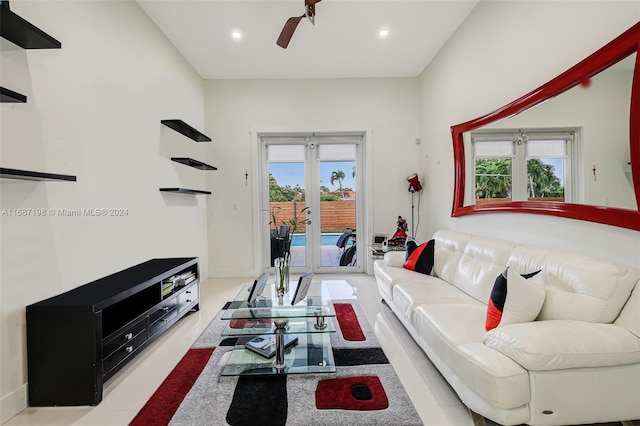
[383, 33]
[236, 35]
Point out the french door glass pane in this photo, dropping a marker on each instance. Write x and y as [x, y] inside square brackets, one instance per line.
[338, 208]
[286, 202]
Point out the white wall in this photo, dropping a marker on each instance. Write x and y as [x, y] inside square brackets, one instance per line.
[234, 108]
[94, 109]
[502, 51]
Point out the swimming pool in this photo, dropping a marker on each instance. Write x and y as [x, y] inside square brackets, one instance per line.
[300, 240]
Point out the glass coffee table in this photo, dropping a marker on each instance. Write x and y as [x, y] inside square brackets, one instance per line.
[310, 321]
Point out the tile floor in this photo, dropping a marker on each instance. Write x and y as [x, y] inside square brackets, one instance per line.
[130, 388]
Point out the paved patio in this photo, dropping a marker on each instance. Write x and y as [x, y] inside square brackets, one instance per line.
[330, 256]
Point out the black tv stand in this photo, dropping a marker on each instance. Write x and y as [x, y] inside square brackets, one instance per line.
[78, 340]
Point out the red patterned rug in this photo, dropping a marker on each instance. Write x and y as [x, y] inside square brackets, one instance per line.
[351, 393]
[364, 390]
[165, 401]
[348, 322]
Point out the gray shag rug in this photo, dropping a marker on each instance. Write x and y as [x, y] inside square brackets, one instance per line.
[290, 399]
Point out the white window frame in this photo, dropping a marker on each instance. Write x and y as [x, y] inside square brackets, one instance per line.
[520, 137]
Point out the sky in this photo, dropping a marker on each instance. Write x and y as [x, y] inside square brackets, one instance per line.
[557, 163]
[292, 174]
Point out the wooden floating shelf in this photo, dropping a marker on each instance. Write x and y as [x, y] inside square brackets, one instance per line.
[184, 191]
[8, 95]
[193, 163]
[21, 32]
[183, 128]
[38, 176]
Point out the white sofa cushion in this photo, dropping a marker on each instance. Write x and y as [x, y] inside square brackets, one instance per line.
[455, 333]
[453, 323]
[395, 258]
[409, 295]
[482, 261]
[448, 249]
[560, 344]
[577, 287]
[630, 316]
[388, 277]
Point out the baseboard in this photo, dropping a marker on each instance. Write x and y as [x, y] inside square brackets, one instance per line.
[13, 404]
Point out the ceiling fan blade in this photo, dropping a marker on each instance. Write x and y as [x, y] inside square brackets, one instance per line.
[292, 23]
[288, 30]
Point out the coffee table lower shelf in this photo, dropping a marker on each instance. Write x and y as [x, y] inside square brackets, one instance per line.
[312, 354]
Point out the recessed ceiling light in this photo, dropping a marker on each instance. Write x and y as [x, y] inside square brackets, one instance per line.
[236, 35]
[383, 33]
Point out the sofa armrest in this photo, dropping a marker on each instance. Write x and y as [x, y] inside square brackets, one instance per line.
[560, 344]
[395, 258]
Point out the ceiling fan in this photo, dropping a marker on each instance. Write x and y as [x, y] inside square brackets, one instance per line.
[292, 23]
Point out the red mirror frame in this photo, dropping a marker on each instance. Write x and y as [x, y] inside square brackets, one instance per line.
[621, 47]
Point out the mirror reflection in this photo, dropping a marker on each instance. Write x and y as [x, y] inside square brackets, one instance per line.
[572, 148]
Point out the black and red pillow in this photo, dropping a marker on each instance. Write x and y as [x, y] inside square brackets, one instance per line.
[420, 258]
[515, 299]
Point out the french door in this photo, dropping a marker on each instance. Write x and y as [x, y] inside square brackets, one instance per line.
[311, 181]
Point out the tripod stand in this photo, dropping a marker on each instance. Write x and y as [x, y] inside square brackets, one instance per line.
[413, 228]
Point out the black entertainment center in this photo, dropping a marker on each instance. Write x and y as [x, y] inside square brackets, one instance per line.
[77, 340]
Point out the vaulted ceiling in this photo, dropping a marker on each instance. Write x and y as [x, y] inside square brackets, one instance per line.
[236, 39]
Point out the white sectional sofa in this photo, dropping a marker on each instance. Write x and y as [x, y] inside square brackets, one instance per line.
[577, 363]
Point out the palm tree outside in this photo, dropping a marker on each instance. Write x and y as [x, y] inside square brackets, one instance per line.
[338, 176]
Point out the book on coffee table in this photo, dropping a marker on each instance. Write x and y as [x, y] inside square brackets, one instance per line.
[265, 344]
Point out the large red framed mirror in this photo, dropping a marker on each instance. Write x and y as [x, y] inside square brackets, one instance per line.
[589, 201]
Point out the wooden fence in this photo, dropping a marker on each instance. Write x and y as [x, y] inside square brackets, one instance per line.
[335, 215]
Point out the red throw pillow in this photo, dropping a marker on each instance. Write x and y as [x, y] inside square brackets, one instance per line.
[420, 258]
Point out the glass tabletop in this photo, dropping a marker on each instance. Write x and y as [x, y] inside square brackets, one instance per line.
[271, 321]
[311, 354]
[316, 304]
[246, 327]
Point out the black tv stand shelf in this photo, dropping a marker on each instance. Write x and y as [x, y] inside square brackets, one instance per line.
[193, 163]
[29, 175]
[9, 96]
[21, 32]
[78, 340]
[184, 191]
[183, 128]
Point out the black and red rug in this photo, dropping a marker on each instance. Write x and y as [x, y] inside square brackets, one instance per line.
[363, 391]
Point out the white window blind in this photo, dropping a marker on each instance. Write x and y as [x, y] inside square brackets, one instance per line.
[493, 149]
[337, 152]
[546, 148]
[286, 153]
